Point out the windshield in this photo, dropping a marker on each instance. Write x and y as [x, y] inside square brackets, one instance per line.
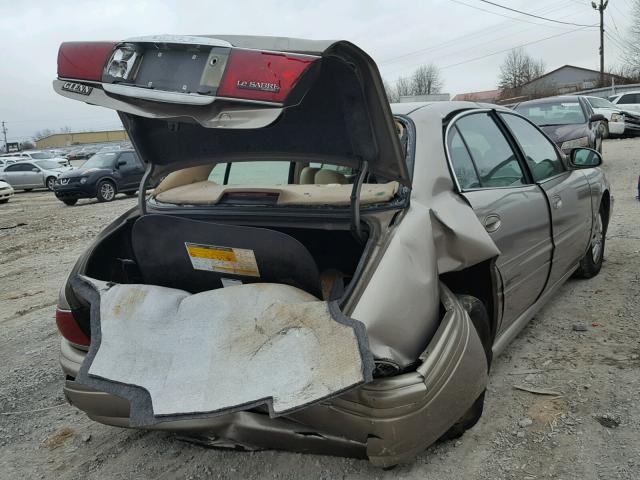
[600, 103]
[100, 160]
[553, 113]
[41, 155]
[47, 164]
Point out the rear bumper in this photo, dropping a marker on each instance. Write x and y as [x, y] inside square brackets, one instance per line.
[388, 420]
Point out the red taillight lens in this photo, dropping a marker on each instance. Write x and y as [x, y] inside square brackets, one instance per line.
[266, 76]
[70, 329]
[83, 60]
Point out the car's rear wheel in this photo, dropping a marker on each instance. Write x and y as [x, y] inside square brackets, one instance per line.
[51, 182]
[106, 191]
[591, 263]
[70, 201]
[481, 321]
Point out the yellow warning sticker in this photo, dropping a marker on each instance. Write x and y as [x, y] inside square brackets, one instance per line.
[214, 258]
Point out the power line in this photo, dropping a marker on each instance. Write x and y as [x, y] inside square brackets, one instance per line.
[501, 15]
[455, 40]
[535, 16]
[511, 48]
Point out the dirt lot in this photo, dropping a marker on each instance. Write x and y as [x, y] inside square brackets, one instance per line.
[585, 345]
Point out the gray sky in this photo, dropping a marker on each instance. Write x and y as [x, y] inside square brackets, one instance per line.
[399, 35]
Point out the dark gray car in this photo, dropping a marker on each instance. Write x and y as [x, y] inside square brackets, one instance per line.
[568, 120]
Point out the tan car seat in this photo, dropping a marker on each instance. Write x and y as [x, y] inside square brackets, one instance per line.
[308, 175]
[325, 177]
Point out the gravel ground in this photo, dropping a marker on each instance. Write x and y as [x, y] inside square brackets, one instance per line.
[584, 344]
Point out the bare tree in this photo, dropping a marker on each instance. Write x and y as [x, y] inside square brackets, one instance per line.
[42, 134]
[631, 55]
[392, 93]
[517, 69]
[426, 80]
[65, 129]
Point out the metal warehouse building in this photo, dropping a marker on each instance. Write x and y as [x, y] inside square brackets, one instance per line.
[66, 139]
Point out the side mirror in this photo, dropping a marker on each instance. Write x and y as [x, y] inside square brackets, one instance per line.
[34, 169]
[121, 163]
[597, 117]
[585, 158]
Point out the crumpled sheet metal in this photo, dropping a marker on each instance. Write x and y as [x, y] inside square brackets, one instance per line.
[175, 355]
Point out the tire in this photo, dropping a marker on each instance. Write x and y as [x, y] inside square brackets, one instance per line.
[70, 201]
[481, 321]
[50, 182]
[605, 131]
[598, 145]
[28, 189]
[106, 191]
[591, 263]
[4, 200]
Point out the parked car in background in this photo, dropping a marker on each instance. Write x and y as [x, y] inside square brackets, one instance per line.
[346, 292]
[629, 101]
[619, 122]
[28, 175]
[103, 176]
[568, 120]
[41, 155]
[6, 191]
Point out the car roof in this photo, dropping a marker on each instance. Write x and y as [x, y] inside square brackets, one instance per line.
[441, 109]
[558, 98]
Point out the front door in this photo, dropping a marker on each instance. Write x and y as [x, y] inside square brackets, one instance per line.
[567, 191]
[511, 207]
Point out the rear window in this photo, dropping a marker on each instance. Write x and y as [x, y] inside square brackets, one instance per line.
[553, 113]
[251, 173]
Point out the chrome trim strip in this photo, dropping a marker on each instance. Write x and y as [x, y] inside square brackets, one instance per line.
[179, 39]
[158, 95]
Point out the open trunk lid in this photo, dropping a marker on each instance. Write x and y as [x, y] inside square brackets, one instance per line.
[188, 101]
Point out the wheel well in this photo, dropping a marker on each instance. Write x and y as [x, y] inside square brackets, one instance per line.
[477, 281]
[107, 179]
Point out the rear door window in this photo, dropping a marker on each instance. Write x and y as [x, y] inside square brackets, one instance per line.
[541, 156]
[461, 162]
[495, 161]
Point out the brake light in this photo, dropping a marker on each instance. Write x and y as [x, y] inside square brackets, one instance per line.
[69, 328]
[266, 76]
[83, 60]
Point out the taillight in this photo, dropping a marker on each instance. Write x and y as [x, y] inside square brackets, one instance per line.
[266, 76]
[69, 328]
[83, 60]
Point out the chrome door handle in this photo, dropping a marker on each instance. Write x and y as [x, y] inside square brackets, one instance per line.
[492, 223]
[556, 202]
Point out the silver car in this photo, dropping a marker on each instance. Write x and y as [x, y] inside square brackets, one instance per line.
[27, 176]
[318, 271]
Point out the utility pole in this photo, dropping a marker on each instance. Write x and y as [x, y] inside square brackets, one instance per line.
[4, 131]
[601, 8]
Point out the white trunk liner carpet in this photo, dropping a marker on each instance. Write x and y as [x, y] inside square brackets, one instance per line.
[175, 355]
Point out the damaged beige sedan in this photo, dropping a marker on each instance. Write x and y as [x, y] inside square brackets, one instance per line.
[317, 271]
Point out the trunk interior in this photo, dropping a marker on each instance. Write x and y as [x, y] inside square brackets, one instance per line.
[151, 250]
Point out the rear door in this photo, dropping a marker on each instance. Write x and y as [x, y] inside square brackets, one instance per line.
[131, 171]
[513, 209]
[568, 192]
[13, 174]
